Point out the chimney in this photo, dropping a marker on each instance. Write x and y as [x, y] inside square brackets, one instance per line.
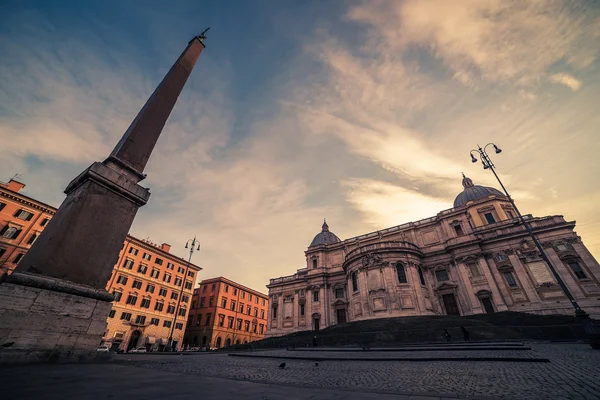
[14, 185]
[165, 247]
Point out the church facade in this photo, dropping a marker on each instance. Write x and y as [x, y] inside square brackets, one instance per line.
[473, 258]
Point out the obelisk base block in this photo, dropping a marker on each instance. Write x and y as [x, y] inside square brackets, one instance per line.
[46, 319]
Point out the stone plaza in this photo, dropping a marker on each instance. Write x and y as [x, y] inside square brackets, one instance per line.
[570, 372]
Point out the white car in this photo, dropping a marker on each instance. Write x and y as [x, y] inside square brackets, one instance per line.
[138, 350]
[103, 349]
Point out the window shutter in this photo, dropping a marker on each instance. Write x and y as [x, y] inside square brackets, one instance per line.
[17, 233]
[17, 212]
[29, 217]
[3, 229]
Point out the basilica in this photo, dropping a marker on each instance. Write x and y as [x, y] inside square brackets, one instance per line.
[474, 258]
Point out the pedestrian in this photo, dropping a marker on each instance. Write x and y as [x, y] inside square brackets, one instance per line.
[447, 335]
[465, 333]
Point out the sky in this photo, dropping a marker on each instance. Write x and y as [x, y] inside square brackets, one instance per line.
[363, 112]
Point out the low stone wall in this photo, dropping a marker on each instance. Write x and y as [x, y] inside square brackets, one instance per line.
[49, 320]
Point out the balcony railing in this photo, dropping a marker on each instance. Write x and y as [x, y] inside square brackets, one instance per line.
[383, 245]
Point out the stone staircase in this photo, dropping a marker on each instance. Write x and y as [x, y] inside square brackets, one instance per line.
[504, 326]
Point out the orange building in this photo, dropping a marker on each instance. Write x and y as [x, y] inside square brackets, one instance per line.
[21, 221]
[150, 285]
[225, 313]
[152, 290]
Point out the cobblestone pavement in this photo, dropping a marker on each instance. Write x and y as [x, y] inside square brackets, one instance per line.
[573, 373]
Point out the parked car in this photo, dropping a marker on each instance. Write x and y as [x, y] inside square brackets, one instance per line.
[138, 350]
[103, 349]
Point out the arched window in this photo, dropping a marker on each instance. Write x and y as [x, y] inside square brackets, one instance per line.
[218, 343]
[245, 342]
[421, 277]
[237, 341]
[227, 342]
[354, 282]
[400, 271]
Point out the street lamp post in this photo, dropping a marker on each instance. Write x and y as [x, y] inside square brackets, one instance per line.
[587, 323]
[193, 245]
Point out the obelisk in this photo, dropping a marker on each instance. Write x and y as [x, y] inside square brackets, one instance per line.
[61, 303]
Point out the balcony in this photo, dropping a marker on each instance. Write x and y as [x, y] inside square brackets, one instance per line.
[299, 273]
[514, 227]
[383, 247]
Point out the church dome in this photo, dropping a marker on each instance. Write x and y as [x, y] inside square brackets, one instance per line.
[325, 237]
[474, 192]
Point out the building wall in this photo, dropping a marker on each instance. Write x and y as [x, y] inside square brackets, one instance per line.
[482, 266]
[238, 314]
[21, 221]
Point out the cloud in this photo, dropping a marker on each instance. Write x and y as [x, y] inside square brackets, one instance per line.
[566, 80]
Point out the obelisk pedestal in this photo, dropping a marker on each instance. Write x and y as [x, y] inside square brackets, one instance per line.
[54, 306]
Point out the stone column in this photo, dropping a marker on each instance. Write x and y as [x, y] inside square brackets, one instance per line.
[54, 306]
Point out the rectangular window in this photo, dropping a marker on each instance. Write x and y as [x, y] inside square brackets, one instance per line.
[577, 270]
[255, 312]
[179, 326]
[230, 322]
[150, 288]
[249, 310]
[170, 309]
[126, 316]
[489, 217]
[137, 285]
[239, 324]
[221, 320]
[354, 282]
[235, 291]
[274, 313]
[174, 295]
[158, 261]
[111, 314]
[188, 284]
[458, 230]
[133, 250]
[142, 269]
[2, 205]
[18, 258]
[166, 324]
[211, 301]
[199, 320]
[185, 299]
[224, 302]
[510, 279]
[145, 303]
[154, 321]
[263, 302]
[207, 322]
[167, 278]
[232, 305]
[180, 270]
[213, 286]
[140, 319]
[442, 275]
[316, 296]
[202, 299]
[170, 266]
[421, 277]
[191, 274]
[302, 310]
[226, 288]
[24, 215]
[314, 263]
[261, 329]
[256, 299]
[131, 299]
[155, 273]
[247, 326]
[194, 304]
[473, 269]
[243, 294]
[262, 314]
[182, 312]
[162, 292]
[339, 293]
[117, 296]
[122, 280]
[204, 289]
[242, 308]
[32, 238]
[249, 297]
[147, 256]
[128, 264]
[178, 281]
[44, 221]
[159, 306]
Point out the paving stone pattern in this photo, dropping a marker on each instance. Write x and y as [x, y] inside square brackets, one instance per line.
[573, 373]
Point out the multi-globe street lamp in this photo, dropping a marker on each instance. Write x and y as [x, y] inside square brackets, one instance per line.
[193, 245]
[587, 323]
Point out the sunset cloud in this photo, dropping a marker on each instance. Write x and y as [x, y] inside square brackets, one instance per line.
[566, 80]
